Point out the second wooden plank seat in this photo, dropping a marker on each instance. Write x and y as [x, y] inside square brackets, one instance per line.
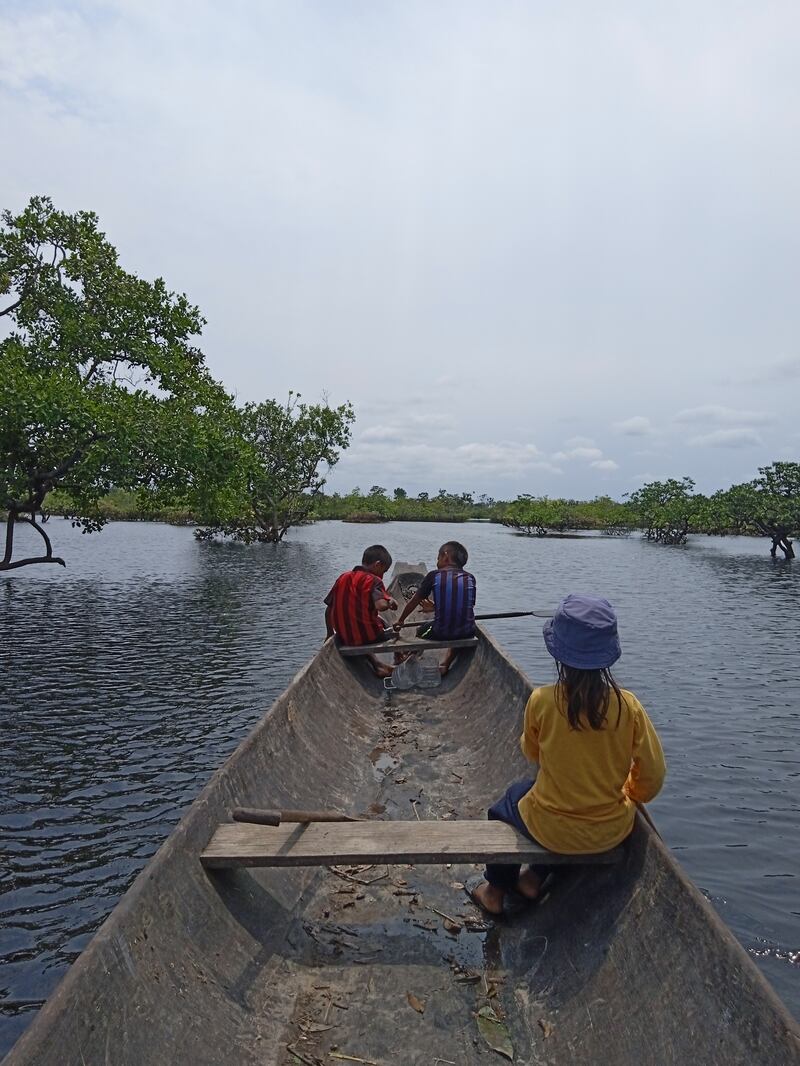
[390, 646]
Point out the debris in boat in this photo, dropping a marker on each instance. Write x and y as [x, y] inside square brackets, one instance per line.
[495, 1032]
[315, 1027]
[353, 1058]
[428, 926]
[359, 880]
[377, 808]
[415, 1003]
[546, 1027]
[457, 885]
[474, 924]
[300, 1057]
[452, 925]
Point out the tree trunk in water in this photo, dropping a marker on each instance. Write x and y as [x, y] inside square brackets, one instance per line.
[15, 516]
[786, 547]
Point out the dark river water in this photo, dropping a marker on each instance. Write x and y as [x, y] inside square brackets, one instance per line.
[128, 677]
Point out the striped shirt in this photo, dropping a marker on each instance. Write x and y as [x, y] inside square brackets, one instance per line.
[351, 603]
[453, 593]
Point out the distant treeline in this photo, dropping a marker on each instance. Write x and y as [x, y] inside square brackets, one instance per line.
[118, 505]
[668, 511]
[665, 511]
[378, 506]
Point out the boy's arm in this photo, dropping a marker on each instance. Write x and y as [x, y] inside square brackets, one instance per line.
[328, 601]
[381, 598]
[412, 604]
[529, 741]
[648, 769]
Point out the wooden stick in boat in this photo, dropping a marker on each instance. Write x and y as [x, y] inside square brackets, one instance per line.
[646, 815]
[504, 614]
[259, 817]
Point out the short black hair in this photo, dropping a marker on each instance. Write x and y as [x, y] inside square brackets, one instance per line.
[376, 553]
[457, 552]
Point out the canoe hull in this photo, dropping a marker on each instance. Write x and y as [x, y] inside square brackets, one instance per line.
[245, 966]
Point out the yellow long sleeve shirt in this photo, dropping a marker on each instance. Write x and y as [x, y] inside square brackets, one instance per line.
[584, 798]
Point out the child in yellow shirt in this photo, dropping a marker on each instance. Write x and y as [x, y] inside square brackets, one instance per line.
[597, 751]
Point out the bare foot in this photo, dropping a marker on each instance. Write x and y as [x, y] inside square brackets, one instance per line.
[488, 897]
[383, 670]
[528, 884]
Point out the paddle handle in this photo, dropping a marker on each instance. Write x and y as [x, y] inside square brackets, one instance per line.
[502, 614]
[259, 817]
[646, 815]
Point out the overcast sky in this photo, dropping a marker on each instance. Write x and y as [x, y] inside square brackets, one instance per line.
[542, 247]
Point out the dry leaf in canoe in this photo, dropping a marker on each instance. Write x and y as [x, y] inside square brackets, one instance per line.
[546, 1027]
[451, 926]
[416, 1003]
[495, 1033]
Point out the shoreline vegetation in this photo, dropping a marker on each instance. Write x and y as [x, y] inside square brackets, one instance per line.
[664, 512]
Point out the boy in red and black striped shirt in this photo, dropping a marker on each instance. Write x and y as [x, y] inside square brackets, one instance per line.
[353, 604]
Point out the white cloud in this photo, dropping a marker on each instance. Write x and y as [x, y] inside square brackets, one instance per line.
[580, 442]
[604, 464]
[409, 426]
[581, 452]
[415, 461]
[715, 415]
[382, 433]
[637, 426]
[728, 438]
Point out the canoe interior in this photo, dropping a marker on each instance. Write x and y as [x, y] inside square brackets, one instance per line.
[624, 962]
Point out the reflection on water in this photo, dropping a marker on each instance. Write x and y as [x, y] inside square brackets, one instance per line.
[126, 679]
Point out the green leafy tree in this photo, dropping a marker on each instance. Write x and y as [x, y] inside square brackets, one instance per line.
[289, 448]
[665, 510]
[602, 513]
[100, 382]
[538, 516]
[769, 505]
[778, 514]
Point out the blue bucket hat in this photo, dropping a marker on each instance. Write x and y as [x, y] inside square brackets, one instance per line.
[583, 633]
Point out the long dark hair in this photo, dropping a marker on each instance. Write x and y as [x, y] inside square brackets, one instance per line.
[587, 694]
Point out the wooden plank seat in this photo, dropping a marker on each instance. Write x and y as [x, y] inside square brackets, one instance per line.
[357, 843]
[390, 646]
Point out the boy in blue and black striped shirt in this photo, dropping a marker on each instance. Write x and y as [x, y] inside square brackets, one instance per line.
[452, 590]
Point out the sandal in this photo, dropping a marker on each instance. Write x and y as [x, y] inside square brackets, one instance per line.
[471, 886]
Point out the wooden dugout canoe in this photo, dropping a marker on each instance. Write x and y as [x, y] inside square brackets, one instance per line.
[626, 963]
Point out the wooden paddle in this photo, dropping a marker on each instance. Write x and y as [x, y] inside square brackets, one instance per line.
[646, 815]
[503, 614]
[259, 817]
